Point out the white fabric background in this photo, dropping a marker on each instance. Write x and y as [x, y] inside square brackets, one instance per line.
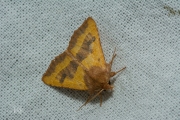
[147, 38]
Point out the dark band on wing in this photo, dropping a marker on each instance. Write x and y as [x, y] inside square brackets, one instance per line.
[68, 71]
[83, 52]
[76, 34]
[58, 59]
[85, 48]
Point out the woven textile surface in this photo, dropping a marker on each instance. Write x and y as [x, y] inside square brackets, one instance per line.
[146, 35]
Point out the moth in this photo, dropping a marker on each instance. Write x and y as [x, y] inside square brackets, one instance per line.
[82, 65]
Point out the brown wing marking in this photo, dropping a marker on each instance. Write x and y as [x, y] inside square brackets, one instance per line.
[68, 71]
[85, 45]
[83, 52]
[77, 33]
[54, 63]
[85, 48]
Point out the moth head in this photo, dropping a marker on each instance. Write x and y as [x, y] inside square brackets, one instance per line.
[107, 86]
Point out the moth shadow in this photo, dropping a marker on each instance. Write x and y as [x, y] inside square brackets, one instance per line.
[83, 95]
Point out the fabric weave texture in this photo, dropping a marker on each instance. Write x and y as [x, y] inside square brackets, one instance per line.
[146, 35]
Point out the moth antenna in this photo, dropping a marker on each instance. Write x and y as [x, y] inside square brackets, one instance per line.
[114, 55]
[89, 99]
[114, 50]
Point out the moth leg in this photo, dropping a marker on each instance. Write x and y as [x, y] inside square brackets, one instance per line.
[101, 98]
[91, 98]
[110, 63]
[120, 70]
[85, 103]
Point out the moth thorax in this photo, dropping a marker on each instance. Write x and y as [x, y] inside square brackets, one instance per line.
[99, 74]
